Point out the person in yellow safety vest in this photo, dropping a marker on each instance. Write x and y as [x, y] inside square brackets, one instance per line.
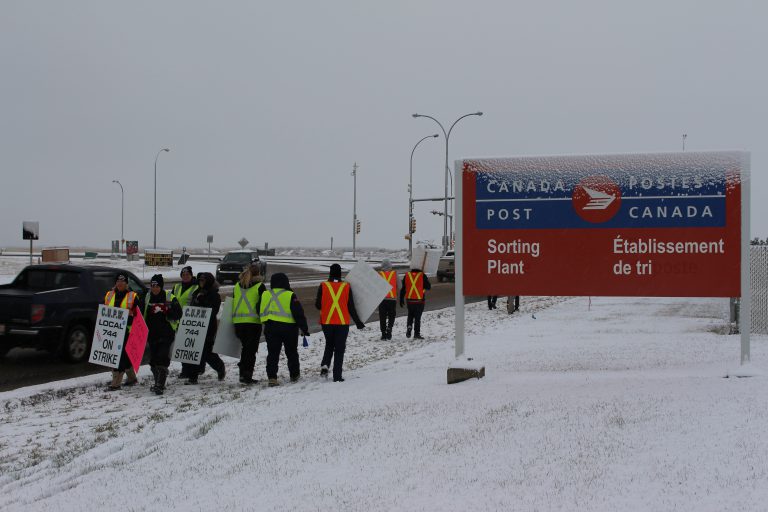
[183, 292]
[388, 306]
[162, 313]
[336, 305]
[283, 318]
[413, 291]
[245, 317]
[121, 297]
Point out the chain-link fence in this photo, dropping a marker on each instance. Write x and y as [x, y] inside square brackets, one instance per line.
[758, 278]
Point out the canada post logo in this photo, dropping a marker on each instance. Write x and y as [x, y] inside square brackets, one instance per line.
[596, 199]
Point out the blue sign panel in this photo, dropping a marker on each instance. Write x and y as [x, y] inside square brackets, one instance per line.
[604, 198]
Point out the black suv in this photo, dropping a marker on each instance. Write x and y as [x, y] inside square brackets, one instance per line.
[235, 262]
[54, 307]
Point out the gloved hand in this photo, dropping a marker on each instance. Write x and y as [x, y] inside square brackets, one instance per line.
[360, 325]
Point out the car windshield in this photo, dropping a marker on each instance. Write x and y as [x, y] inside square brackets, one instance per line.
[238, 257]
[47, 279]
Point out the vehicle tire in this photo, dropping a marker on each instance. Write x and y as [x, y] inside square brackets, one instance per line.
[76, 346]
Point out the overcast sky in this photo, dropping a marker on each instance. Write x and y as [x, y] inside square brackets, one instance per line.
[265, 107]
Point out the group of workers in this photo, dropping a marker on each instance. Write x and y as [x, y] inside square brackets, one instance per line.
[276, 312]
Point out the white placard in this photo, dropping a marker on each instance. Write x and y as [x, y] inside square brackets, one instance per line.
[227, 342]
[108, 336]
[190, 337]
[426, 259]
[368, 289]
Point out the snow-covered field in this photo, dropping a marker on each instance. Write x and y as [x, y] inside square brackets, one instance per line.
[619, 406]
[10, 266]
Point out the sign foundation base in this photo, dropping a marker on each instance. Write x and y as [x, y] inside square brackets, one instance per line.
[461, 372]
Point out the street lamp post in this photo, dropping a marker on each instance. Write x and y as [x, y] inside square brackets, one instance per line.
[354, 210]
[685, 136]
[410, 195]
[154, 243]
[122, 212]
[447, 137]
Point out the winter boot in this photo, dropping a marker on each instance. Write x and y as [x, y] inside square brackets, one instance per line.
[408, 332]
[153, 387]
[130, 377]
[324, 371]
[117, 379]
[192, 380]
[418, 336]
[221, 373]
[296, 377]
[273, 383]
[389, 333]
[162, 376]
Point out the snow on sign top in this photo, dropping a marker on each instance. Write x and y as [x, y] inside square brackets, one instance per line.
[636, 224]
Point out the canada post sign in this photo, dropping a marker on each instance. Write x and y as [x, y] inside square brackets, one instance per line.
[621, 225]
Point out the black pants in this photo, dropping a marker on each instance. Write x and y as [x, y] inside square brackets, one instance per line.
[209, 356]
[513, 303]
[415, 309]
[249, 335]
[387, 313]
[124, 362]
[335, 345]
[160, 352]
[279, 335]
[492, 301]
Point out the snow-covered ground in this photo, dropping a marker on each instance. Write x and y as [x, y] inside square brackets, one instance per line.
[619, 406]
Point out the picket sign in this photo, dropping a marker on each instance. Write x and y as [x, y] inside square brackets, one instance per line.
[227, 342]
[108, 336]
[426, 259]
[137, 341]
[368, 289]
[190, 337]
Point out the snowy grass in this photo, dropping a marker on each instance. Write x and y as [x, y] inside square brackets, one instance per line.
[621, 406]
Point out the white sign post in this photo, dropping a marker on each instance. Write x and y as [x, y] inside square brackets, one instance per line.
[108, 336]
[227, 342]
[368, 288]
[190, 337]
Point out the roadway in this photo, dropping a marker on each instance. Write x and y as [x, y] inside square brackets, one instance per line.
[26, 367]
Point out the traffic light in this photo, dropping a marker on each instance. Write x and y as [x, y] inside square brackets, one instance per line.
[357, 227]
[413, 224]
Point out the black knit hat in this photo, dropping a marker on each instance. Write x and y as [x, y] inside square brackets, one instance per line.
[121, 277]
[188, 268]
[335, 272]
[158, 280]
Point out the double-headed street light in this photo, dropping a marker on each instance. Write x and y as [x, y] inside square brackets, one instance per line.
[154, 244]
[122, 212]
[410, 196]
[447, 137]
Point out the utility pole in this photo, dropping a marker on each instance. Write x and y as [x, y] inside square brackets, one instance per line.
[354, 210]
[685, 136]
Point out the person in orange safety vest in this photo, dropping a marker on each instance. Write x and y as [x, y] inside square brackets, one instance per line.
[415, 284]
[122, 297]
[334, 300]
[388, 306]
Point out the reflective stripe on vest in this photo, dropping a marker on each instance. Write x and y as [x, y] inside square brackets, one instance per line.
[186, 297]
[391, 278]
[414, 286]
[168, 299]
[244, 312]
[334, 303]
[276, 306]
[127, 303]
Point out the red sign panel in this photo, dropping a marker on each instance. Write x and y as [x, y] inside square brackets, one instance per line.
[666, 225]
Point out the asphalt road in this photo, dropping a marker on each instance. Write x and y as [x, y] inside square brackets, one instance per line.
[26, 367]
